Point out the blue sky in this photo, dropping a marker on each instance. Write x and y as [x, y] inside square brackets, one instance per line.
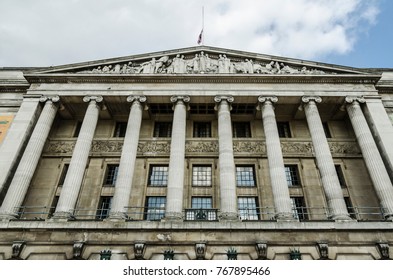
[373, 48]
[354, 33]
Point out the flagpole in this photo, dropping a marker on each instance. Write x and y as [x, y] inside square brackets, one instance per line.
[203, 25]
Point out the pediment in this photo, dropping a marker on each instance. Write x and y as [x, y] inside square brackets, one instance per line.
[202, 60]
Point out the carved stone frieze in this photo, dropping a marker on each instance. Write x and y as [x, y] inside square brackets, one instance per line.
[297, 148]
[253, 147]
[106, 146]
[201, 146]
[202, 63]
[153, 147]
[162, 147]
[60, 147]
[350, 148]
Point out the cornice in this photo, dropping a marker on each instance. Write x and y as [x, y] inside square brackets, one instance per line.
[201, 78]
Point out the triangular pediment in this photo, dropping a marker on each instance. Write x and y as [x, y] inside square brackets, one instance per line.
[202, 60]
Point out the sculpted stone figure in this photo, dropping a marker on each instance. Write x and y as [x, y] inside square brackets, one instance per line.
[202, 63]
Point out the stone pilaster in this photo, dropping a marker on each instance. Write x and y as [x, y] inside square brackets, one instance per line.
[329, 177]
[282, 201]
[123, 187]
[381, 128]
[372, 158]
[79, 159]
[226, 160]
[28, 163]
[174, 200]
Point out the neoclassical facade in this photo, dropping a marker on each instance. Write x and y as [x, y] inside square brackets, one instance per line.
[196, 153]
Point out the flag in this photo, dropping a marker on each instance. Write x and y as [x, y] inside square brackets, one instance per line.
[200, 37]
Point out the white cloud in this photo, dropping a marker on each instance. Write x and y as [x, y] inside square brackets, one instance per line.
[41, 33]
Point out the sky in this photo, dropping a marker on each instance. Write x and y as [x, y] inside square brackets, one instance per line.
[35, 33]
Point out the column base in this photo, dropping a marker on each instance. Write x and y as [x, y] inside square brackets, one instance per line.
[284, 217]
[173, 217]
[7, 216]
[229, 216]
[341, 218]
[117, 216]
[62, 217]
[389, 217]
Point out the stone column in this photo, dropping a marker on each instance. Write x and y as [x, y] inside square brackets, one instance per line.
[174, 200]
[28, 163]
[381, 128]
[73, 180]
[372, 158]
[331, 184]
[123, 187]
[17, 136]
[282, 201]
[226, 160]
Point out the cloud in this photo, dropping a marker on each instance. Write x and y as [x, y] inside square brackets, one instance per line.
[42, 33]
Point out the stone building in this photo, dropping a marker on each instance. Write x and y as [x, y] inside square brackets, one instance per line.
[196, 153]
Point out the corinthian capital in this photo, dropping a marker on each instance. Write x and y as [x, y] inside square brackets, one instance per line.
[137, 98]
[307, 99]
[183, 98]
[220, 98]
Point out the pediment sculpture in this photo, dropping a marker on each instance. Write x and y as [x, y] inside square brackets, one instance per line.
[202, 63]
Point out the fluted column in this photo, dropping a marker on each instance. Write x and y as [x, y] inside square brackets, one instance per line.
[123, 187]
[16, 138]
[28, 164]
[282, 201]
[226, 160]
[330, 182]
[73, 180]
[372, 158]
[174, 199]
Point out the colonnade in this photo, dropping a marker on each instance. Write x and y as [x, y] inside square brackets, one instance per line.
[174, 204]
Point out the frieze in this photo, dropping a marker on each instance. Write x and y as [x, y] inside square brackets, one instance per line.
[202, 63]
[195, 147]
[202, 146]
[253, 147]
[153, 147]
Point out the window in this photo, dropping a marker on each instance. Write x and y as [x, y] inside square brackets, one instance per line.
[53, 206]
[327, 130]
[201, 176]
[350, 208]
[78, 127]
[299, 210]
[245, 176]
[104, 207]
[201, 210]
[162, 129]
[63, 174]
[284, 130]
[111, 174]
[155, 208]
[120, 129]
[202, 129]
[292, 175]
[248, 208]
[340, 176]
[241, 129]
[158, 176]
[201, 203]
